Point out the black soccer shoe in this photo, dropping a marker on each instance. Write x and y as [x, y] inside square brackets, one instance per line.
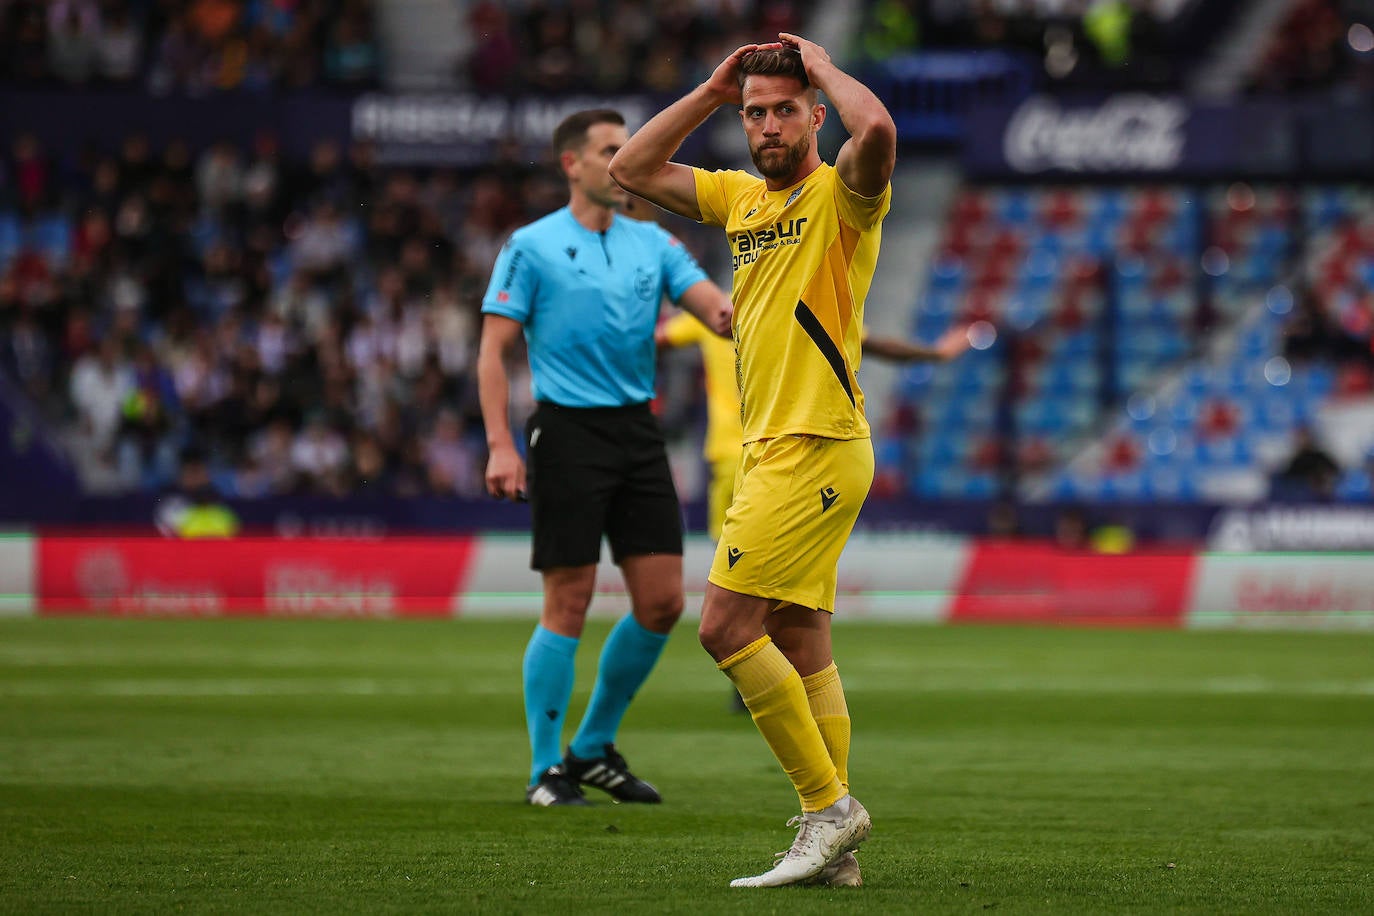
[555, 787]
[611, 774]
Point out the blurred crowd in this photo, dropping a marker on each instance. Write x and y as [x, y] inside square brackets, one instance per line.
[191, 46]
[1320, 44]
[612, 45]
[277, 327]
[1317, 44]
[1091, 42]
[305, 329]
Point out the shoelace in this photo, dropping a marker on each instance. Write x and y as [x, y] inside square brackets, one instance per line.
[804, 837]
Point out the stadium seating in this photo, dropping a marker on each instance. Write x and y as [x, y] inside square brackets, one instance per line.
[1098, 386]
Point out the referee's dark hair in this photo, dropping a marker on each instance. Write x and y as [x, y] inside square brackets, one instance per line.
[571, 133]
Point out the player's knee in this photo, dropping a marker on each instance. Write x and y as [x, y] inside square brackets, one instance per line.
[717, 636]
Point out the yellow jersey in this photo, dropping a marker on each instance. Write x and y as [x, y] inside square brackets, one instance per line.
[804, 258]
[724, 435]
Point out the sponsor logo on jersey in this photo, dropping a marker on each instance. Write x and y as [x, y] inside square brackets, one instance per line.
[750, 243]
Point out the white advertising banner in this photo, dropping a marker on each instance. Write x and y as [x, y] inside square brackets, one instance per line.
[896, 577]
[1283, 590]
[16, 575]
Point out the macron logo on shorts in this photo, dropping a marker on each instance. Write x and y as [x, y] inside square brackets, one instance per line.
[828, 497]
[732, 554]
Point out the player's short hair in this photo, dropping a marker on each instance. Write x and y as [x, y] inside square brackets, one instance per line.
[773, 62]
[571, 133]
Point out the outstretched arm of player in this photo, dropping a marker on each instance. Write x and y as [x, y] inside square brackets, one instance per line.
[952, 343]
[642, 166]
[505, 469]
[710, 305]
[866, 160]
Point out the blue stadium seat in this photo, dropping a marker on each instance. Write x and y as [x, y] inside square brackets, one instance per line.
[1170, 484]
[1017, 207]
[52, 235]
[1219, 452]
[1128, 485]
[980, 486]
[11, 238]
[1355, 486]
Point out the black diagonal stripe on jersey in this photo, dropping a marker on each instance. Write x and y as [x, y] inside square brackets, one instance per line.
[813, 328]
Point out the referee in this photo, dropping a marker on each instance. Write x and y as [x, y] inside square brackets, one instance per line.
[584, 286]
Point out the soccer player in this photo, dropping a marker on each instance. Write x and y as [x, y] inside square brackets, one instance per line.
[725, 435]
[805, 243]
[584, 286]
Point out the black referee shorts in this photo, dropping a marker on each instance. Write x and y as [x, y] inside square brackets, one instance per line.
[599, 470]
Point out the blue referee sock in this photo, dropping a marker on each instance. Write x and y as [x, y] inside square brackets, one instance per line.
[627, 658]
[548, 674]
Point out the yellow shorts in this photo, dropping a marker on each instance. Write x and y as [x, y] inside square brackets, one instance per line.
[720, 493]
[796, 500]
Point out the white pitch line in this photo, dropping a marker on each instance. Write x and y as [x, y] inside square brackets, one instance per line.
[1223, 686]
[325, 687]
[238, 687]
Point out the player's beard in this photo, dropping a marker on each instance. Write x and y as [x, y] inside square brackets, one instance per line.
[786, 166]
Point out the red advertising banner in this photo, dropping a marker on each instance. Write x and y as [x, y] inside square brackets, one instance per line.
[272, 577]
[1011, 582]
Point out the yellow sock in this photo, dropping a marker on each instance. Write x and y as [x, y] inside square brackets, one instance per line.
[825, 693]
[773, 691]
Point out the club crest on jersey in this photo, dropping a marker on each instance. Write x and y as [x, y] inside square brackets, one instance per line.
[750, 243]
[644, 284]
[795, 194]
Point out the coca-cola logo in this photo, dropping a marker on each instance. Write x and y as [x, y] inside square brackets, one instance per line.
[1126, 133]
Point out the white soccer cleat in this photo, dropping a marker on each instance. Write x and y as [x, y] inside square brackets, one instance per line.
[822, 838]
[843, 872]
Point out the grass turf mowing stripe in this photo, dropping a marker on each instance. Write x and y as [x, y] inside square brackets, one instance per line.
[1018, 769]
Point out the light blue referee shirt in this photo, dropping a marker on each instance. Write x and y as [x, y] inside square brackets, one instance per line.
[589, 302]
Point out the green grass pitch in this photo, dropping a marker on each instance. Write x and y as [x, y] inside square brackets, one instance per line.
[379, 767]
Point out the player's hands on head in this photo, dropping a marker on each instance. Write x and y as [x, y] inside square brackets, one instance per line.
[811, 53]
[724, 82]
[506, 474]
